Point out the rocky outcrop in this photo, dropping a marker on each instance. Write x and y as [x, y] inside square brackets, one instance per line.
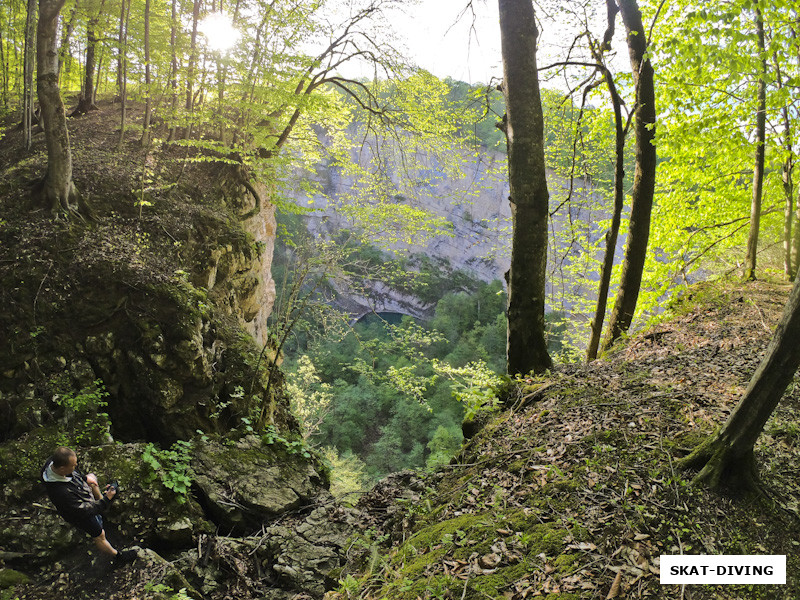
[250, 482]
[139, 340]
[291, 534]
[471, 197]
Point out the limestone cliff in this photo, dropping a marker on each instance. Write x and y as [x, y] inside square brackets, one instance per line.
[470, 195]
[138, 337]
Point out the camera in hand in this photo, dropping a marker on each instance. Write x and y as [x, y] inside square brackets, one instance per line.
[115, 485]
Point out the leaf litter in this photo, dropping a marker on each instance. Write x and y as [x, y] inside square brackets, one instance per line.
[593, 456]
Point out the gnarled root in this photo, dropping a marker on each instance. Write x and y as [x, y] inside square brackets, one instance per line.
[720, 467]
[63, 204]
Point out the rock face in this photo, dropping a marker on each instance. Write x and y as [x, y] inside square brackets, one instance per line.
[252, 482]
[139, 341]
[473, 200]
[291, 536]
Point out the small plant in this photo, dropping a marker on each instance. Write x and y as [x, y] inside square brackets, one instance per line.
[271, 436]
[85, 407]
[170, 466]
[162, 591]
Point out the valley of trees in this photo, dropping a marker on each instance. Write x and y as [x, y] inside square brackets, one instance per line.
[680, 117]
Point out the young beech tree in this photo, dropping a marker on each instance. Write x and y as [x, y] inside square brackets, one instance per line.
[644, 177]
[758, 169]
[527, 348]
[726, 458]
[56, 187]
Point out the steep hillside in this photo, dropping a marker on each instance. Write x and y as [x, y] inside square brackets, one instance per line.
[572, 490]
[136, 337]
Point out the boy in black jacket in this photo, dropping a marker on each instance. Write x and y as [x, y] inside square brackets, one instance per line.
[78, 500]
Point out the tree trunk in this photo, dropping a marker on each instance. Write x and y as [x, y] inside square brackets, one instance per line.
[4, 67]
[616, 218]
[147, 103]
[644, 178]
[789, 267]
[66, 35]
[192, 63]
[796, 236]
[758, 170]
[122, 69]
[726, 458]
[87, 101]
[27, 92]
[173, 78]
[596, 326]
[56, 187]
[527, 348]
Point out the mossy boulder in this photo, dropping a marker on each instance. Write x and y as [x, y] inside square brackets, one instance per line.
[10, 578]
[248, 482]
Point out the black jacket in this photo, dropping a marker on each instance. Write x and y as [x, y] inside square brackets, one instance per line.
[73, 499]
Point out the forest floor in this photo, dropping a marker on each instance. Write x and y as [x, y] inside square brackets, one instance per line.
[574, 491]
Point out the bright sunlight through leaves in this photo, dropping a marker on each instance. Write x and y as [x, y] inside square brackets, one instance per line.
[219, 32]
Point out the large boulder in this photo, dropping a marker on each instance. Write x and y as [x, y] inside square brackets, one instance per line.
[250, 482]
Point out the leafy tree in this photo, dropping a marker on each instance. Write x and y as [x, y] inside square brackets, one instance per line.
[56, 187]
[726, 458]
[644, 177]
[758, 169]
[527, 349]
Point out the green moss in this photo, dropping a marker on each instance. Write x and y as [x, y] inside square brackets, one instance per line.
[10, 578]
[566, 562]
[494, 584]
[456, 528]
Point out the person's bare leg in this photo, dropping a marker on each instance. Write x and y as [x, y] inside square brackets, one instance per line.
[103, 545]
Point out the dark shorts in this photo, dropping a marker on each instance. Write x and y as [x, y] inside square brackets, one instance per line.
[92, 525]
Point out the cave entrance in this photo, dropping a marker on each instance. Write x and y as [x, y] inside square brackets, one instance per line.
[389, 318]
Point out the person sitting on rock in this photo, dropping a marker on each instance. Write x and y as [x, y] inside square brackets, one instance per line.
[78, 500]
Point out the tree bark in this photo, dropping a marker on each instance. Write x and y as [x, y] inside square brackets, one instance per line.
[122, 69]
[87, 101]
[527, 348]
[27, 92]
[789, 267]
[56, 187]
[758, 170]
[66, 35]
[191, 66]
[726, 458]
[4, 67]
[173, 78]
[612, 234]
[147, 103]
[644, 178]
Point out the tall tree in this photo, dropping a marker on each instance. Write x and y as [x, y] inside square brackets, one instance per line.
[758, 170]
[726, 458]
[122, 67]
[66, 34]
[527, 348]
[87, 101]
[27, 94]
[147, 81]
[789, 267]
[56, 187]
[620, 132]
[644, 177]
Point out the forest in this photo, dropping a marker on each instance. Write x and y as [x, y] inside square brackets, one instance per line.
[345, 326]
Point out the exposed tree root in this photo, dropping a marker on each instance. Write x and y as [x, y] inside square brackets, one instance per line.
[84, 107]
[721, 468]
[69, 204]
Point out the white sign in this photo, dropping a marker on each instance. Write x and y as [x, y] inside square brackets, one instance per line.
[723, 568]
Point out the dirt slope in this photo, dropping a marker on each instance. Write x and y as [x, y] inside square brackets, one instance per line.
[573, 492]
